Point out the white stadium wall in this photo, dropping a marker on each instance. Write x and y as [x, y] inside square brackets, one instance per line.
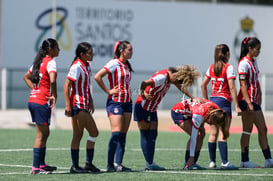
[163, 34]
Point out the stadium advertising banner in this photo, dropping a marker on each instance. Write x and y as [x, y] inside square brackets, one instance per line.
[162, 34]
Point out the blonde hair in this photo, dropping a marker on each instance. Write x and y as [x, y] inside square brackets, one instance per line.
[187, 74]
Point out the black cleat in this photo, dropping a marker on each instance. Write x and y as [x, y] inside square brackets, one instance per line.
[110, 168]
[74, 169]
[48, 168]
[91, 168]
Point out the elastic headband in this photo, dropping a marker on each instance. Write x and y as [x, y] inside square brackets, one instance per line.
[246, 40]
[116, 46]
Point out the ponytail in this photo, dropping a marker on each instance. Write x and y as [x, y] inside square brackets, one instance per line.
[42, 52]
[82, 47]
[220, 57]
[247, 42]
[122, 45]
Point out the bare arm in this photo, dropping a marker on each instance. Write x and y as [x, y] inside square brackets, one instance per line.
[98, 78]
[27, 79]
[233, 92]
[143, 86]
[67, 85]
[245, 94]
[184, 90]
[91, 104]
[53, 87]
[204, 85]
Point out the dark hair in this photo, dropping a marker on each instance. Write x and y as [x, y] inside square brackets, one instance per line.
[42, 52]
[82, 47]
[220, 57]
[247, 42]
[122, 45]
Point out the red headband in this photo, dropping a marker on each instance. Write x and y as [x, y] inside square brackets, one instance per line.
[246, 40]
[116, 46]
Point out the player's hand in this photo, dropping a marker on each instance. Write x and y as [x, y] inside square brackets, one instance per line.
[114, 90]
[52, 101]
[67, 111]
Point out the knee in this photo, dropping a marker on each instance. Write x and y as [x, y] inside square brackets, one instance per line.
[213, 136]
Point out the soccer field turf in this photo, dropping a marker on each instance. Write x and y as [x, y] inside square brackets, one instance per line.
[16, 158]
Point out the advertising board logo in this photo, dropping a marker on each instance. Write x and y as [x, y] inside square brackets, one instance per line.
[245, 31]
[44, 22]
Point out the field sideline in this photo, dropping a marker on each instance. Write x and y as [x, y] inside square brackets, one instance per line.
[16, 158]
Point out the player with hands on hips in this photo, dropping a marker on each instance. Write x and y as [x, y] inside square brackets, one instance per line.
[152, 92]
[119, 102]
[41, 79]
[79, 106]
[249, 99]
[222, 76]
[190, 115]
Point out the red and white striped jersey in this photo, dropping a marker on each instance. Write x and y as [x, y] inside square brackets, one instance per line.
[250, 68]
[220, 87]
[119, 75]
[80, 74]
[41, 90]
[161, 85]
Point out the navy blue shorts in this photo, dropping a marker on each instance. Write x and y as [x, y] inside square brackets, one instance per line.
[141, 114]
[178, 118]
[118, 108]
[243, 106]
[40, 114]
[223, 104]
[75, 110]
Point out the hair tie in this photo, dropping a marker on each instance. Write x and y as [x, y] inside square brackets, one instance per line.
[246, 40]
[116, 46]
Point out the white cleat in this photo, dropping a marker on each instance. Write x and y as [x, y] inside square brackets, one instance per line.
[212, 164]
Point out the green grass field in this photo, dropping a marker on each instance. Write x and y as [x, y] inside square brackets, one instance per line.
[16, 158]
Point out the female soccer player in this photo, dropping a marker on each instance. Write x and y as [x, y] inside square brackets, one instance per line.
[119, 102]
[41, 79]
[79, 105]
[190, 115]
[249, 98]
[222, 76]
[152, 91]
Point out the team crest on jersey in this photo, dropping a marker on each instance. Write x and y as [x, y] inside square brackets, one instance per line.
[149, 118]
[115, 110]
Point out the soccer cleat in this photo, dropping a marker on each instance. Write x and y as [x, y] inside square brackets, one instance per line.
[268, 163]
[36, 171]
[110, 168]
[48, 168]
[212, 164]
[154, 166]
[121, 168]
[91, 168]
[228, 166]
[249, 164]
[196, 167]
[74, 169]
